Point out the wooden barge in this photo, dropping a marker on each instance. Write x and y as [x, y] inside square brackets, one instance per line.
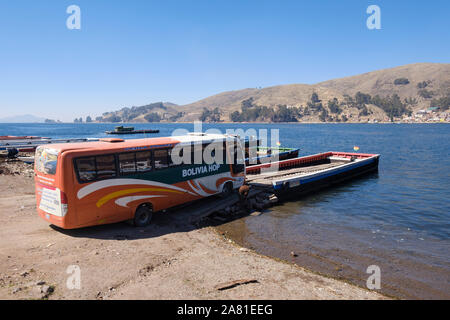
[305, 174]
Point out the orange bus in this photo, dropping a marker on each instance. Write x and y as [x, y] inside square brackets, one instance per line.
[112, 180]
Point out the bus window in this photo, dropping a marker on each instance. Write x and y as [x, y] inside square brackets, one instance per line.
[238, 165]
[213, 153]
[86, 169]
[127, 163]
[224, 152]
[197, 153]
[161, 158]
[238, 154]
[171, 163]
[46, 160]
[180, 155]
[143, 161]
[106, 166]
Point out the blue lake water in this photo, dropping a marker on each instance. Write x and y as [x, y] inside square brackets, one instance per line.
[397, 219]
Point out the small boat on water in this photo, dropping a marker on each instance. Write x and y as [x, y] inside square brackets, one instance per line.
[130, 130]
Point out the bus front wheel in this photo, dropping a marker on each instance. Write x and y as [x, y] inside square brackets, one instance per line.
[143, 216]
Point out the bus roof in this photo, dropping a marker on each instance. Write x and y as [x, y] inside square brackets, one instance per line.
[107, 143]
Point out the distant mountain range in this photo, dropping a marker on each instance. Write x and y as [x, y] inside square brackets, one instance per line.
[374, 96]
[26, 118]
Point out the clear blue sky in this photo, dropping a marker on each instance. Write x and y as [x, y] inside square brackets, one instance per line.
[136, 52]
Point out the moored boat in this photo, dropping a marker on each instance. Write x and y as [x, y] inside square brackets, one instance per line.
[130, 130]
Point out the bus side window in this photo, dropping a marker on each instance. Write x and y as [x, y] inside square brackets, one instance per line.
[86, 169]
[144, 161]
[238, 161]
[238, 154]
[197, 153]
[188, 155]
[127, 163]
[219, 153]
[169, 154]
[106, 166]
[161, 158]
[230, 152]
[225, 157]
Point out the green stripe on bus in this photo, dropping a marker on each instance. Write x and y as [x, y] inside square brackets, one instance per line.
[175, 174]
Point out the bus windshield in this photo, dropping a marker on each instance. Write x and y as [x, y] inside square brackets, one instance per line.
[46, 160]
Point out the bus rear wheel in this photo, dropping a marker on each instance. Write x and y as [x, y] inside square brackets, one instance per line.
[143, 216]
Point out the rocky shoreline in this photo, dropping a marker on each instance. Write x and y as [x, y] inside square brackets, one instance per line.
[15, 167]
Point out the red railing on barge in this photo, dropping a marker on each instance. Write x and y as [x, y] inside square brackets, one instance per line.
[352, 154]
[303, 160]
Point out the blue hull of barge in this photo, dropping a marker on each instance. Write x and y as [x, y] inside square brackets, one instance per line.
[313, 182]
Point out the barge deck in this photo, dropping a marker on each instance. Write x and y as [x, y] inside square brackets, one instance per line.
[305, 174]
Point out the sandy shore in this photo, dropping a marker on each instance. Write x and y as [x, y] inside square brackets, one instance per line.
[171, 259]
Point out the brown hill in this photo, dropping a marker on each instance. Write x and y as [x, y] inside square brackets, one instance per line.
[227, 102]
[382, 82]
[419, 83]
